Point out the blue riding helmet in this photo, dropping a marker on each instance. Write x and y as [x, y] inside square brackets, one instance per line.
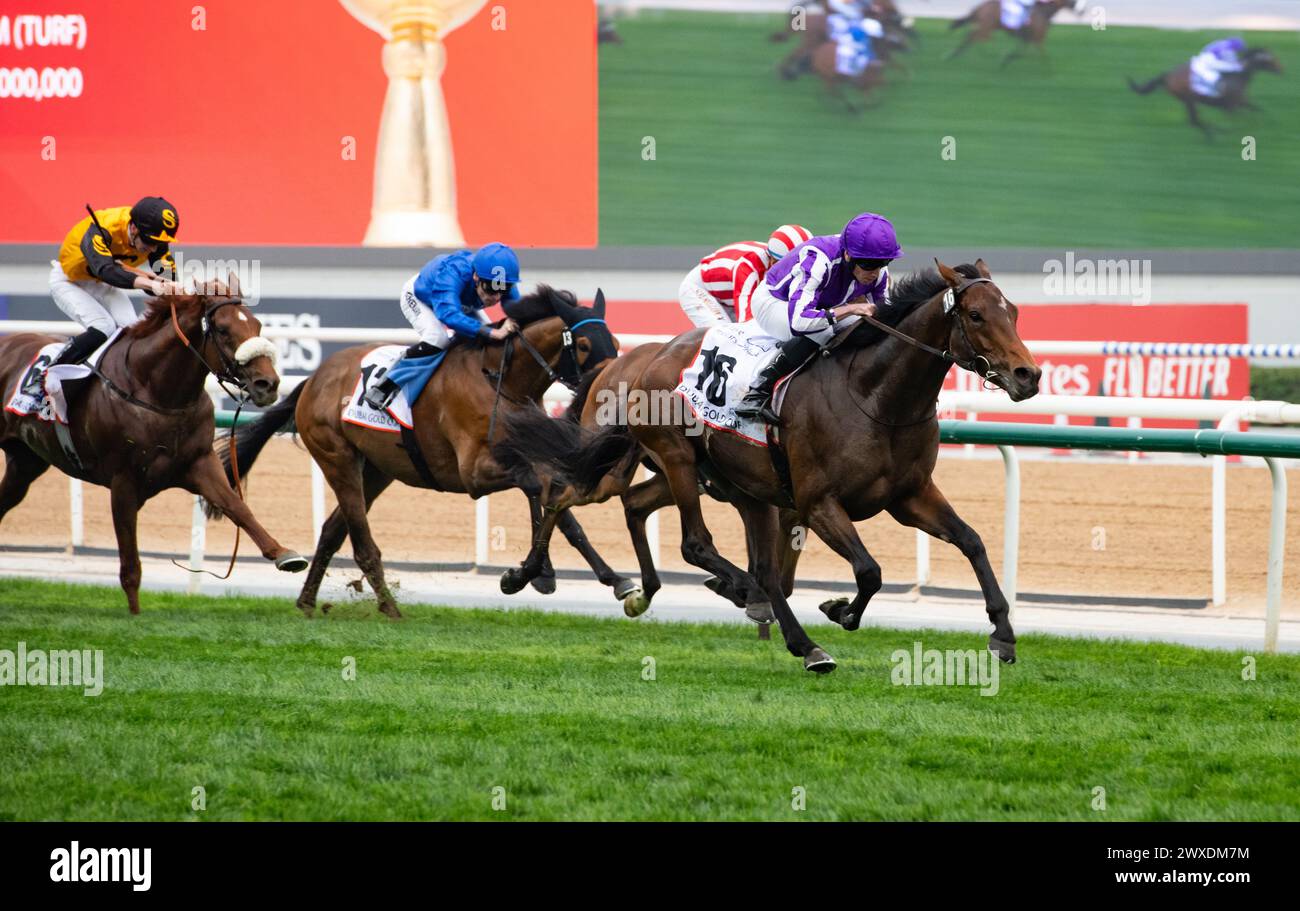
[497, 263]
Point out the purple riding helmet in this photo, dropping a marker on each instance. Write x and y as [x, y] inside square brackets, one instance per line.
[870, 236]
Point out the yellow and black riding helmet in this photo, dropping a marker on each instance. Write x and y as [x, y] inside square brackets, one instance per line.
[156, 219]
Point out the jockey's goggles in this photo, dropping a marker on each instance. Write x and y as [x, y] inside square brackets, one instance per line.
[490, 286]
[871, 263]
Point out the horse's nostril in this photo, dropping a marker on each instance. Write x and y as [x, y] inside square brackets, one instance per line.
[1024, 374]
[262, 384]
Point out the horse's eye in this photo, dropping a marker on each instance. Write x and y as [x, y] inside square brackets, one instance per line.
[975, 316]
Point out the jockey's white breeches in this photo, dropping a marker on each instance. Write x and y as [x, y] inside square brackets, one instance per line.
[773, 316]
[91, 304]
[424, 321]
[701, 307]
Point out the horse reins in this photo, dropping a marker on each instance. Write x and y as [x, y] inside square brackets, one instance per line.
[566, 348]
[240, 400]
[946, 355]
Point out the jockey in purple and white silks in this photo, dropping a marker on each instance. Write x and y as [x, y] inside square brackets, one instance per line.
[805, 299]
[1215, 59]
[1016, 13]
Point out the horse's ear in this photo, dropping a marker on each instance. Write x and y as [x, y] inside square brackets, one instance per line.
[232, 284]
[599, 304]
[951, 276]
[982, 268]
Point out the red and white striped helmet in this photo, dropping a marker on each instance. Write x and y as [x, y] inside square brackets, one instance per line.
[786, 238]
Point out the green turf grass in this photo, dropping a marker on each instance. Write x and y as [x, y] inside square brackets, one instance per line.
[245, 698]
[1055, 153]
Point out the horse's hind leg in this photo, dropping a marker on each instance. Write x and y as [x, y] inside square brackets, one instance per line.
[762, 529]
[1196, 120]
[332, 535]
[623, 587]
[931, 512]
[833, 525]
[697, 544]
[22, 467]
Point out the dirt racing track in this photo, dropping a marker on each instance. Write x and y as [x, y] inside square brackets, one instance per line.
[1093, 528]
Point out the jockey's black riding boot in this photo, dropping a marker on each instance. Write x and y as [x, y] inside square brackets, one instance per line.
[76, 351]
[381, 395]
[757, 403]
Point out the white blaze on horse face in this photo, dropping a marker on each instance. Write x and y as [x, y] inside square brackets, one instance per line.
[244, 317]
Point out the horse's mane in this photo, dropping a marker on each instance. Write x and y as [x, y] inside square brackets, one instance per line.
[905, 296]
[539, 305]
[156, 314]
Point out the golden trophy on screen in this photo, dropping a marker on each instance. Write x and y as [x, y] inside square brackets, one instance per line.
[415, 175]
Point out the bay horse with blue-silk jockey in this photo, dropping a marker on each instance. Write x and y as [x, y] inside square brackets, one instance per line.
[860, 436]
[465, 402]
[1231, 91]
[144, 423]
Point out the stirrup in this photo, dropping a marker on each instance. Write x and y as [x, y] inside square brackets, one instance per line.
[759, 412]
[378, 397]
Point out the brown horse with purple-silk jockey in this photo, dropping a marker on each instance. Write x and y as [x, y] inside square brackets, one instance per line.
[475, 388]
[876, 390]
[144, 422]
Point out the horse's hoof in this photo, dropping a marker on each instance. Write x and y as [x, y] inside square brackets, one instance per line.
[513, 581]
[834, 609]
[1006, 651]
[818, 662]
[723, 590]
[544, 585]
[760, 613]
[291, 563]
[624, 589]
[636, 604]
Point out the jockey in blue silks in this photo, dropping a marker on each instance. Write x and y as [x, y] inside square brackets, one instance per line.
[818, 289]
[445, 301]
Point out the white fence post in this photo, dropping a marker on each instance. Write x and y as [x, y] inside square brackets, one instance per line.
[652, 526]
[481, 531]
[922, 558]
[317, 501]
[1011, 528]
[1276, 553]
[77, 512]
[198, 539]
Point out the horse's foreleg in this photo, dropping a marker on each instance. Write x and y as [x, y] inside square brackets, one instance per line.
[763, 531]
[208, 479]
[22, 467]
[931, 512]
[573, 533]
[640, 501]
[332, 535]
[125, 501]
[971, 38]
[833, 525]
[543, 580]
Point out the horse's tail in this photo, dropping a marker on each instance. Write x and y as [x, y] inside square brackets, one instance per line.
[249, 440]
[964, 20]
[1146, 88]
[567, 451]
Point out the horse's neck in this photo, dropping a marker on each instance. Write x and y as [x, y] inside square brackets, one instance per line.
[159, 368]
[899, 380]
[526, 378]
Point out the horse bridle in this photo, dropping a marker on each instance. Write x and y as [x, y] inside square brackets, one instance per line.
[971, 364]
[567, 347]
[227, 373]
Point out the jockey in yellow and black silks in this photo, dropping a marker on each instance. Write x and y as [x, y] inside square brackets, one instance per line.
[105, 254]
